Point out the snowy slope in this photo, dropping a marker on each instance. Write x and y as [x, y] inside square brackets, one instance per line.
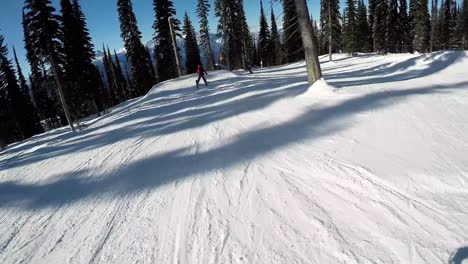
[368, 167]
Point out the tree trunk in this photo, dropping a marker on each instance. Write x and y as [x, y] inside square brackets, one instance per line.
[59, 82]
[210, 60]
[174, 44]
[314, 72]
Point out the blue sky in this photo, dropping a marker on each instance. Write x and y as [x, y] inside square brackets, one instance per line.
[103, 22]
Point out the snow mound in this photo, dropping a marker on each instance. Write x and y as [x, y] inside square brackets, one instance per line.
[321, 89]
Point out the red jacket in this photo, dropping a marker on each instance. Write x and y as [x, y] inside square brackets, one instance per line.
[201, 71]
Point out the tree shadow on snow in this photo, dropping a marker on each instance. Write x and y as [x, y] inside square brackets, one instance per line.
[392, 72]
[459, 256]
[156, 115]
[170, 167]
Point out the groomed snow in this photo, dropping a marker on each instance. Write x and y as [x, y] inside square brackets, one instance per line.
[369, 165]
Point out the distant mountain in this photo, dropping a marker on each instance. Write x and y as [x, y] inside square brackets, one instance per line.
[121, 54]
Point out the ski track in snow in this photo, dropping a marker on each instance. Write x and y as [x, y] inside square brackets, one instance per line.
[254, 169]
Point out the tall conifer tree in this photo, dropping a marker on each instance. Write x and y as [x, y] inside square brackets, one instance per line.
[372, 7]
[44, 35]
[192, 52]
[141, 67]
[294, 51]
[276, 41]
[203, 8]
[363, 27]
[233, 28]
[350, 38]
[264, 39]
[330, 26]
[23, 113]
[380, 26]
[403, 25]
[422, 27]
[393, 31]
[163, 49]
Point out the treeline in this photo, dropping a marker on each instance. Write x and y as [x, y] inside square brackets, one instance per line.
[64, 85]
[269, 47]
[392, 26]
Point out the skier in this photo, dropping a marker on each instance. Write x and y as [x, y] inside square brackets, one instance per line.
[201, 74]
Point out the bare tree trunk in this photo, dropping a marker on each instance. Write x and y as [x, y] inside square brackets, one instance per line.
[210, 59]
[176, 50]
[96, 108]
[59, 82]
[314, 72]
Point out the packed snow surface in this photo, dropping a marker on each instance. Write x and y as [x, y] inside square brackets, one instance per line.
[369, 165]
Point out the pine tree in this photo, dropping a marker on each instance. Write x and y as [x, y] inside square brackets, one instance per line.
[87, 52]
[102, 98]
[380, 26]
[275, 41]
[39, 93]
[192, 52]
[27, 122]
[403, 25]
[7, 125]
[203, 9]
[141, 68]
[44, 33]
[433, 24]
[362, 27]
[28, 108]
[123, 83]
[233, 28]
[330, 26]
[317, 34]
[350, 39]
[422, 27]
[255, 60]
[464, 24]
[112, 83]
[90, 77]
[294, 51]
[316, 31]
[163, 50]
[152, 65]
[344, 20]
[446, 20]
[439, 25]
[119, 79]
[455, 40]
[412, 23]
[393, 31]
[457, 37]
[22, 80]
[264, 39]
[78, 54]
[106, 95]
[247, 42]
[372, 7]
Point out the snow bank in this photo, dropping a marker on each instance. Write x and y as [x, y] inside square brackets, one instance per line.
[320, 89]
